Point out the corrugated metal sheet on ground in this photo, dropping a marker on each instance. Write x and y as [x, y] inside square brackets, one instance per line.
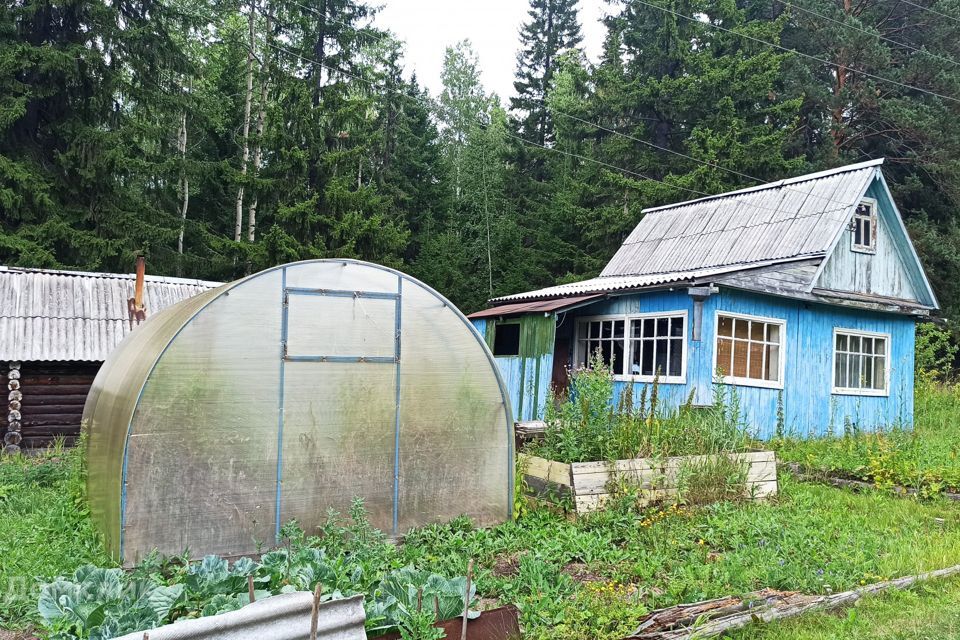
[283, 617]
[786, 219]
[71, 315]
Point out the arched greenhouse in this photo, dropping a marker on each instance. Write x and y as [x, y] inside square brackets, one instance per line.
[289, 393]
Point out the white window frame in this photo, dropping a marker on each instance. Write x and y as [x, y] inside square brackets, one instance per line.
[848, 391]
[628, 344]
[751, 382]
[874, 219]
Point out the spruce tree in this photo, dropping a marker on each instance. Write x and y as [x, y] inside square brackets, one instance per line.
[552, 28]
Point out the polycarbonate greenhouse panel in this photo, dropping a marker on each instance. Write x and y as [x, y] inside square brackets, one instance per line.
[288, 394]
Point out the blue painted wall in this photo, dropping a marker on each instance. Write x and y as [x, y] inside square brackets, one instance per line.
[527, 379]
[809, 406]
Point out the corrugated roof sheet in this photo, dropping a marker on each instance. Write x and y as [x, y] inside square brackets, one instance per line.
[540, 306]
[781, 220]
[73, 315]
[605, 284]
[776, 223]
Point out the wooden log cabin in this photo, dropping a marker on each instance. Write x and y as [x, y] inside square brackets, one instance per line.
[56, 329]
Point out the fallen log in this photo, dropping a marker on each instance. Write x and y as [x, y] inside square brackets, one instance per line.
[714, 618]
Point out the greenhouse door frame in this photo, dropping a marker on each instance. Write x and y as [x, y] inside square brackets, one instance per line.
[321, 358]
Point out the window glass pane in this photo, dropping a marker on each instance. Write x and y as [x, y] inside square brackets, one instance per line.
[773, 333]
[635, 327]
[594, 329]
[880, 346]
[618, 329]
[756, 331]
[662, 326]
[725, 327]
[676, 327]
[755, 369]
[606, 329]
[867, 233]
[840, 379]
[858, 231]
[646, 364]
[853, 374]
[866, 345]
[636, 349]
[772, 366]
[676, 357]
[740, 359]
[661, 357]
[854, 343]
[867, 373]
[648, 328]
[618, 359]
[841, 342]
[880, 373]
[724, 355]
[742, 328]
[606, 351]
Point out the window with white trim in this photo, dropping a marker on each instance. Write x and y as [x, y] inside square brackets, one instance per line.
[657, 346]
[749, 350]
[860, 362]
[864, 227]
[605, 336]
[637, 347]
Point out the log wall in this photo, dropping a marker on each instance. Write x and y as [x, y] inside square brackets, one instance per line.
[53, 395]
[585, 485]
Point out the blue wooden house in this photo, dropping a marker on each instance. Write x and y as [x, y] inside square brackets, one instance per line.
[803, 294]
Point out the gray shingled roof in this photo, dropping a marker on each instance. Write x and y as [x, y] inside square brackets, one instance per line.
[784, 221]
[72, 315]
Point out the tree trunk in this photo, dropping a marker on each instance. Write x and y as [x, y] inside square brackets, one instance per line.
[258, 145]
[238, 223]
[184, 180]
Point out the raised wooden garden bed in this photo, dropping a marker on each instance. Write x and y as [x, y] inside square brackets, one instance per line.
[585, 485]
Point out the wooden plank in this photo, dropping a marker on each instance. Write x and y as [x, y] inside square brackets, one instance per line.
[36, 399]
[59, 389]
[760, 490]
[548, 470]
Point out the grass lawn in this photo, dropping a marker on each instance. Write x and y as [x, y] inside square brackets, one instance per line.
[594, 578]
[930, 612]
[925, 458]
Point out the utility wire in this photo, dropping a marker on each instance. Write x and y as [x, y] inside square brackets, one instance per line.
[799, 53]
[848, 25]
[635, 174]
[934, 11]
[556, 111]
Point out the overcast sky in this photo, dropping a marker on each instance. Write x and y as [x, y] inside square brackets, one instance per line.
[429, 26]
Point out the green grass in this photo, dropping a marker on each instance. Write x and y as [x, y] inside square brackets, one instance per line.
[928, 612]
[44, 528]
[924, 458]
[592, 578]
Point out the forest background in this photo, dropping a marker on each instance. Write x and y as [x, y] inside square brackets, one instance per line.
[219, 137]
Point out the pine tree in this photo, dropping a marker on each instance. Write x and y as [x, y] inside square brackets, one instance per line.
[551, 29]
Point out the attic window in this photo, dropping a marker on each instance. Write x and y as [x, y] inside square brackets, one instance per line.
[864, 227]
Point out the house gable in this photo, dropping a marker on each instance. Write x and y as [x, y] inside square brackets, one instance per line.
[892, 270]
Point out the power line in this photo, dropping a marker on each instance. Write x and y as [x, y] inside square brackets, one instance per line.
[614, 132]
[635, 174]
[934, 11]
[799, 53]
[869, 33]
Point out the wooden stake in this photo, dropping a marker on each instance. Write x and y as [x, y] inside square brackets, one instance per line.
[253, 596]
[315, 613]
[466, 600]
